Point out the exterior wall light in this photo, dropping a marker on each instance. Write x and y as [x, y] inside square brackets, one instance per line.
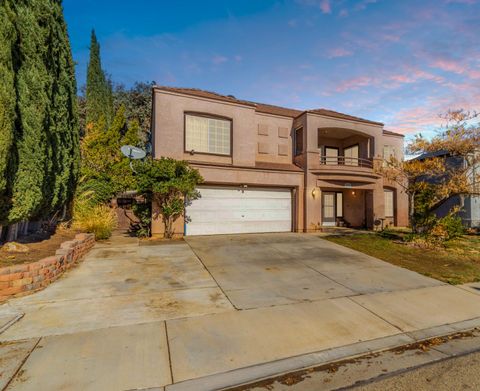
[314, 192]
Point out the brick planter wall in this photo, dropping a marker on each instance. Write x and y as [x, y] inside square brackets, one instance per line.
[21, 280]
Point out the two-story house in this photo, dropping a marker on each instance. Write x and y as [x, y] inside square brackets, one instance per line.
[274, 169]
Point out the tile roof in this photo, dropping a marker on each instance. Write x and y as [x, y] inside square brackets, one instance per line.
[266, 108]
[390, 133]
[336, 114]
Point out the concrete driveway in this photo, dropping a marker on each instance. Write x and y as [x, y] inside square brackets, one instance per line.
[274, 269]
[217, 311]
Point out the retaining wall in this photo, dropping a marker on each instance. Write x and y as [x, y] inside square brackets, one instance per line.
[24, 279]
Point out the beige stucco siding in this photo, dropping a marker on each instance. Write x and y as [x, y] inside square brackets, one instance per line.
[261, 142]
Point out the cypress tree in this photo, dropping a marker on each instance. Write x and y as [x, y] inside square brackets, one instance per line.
[39, 141]
[63, 129]
[7, 104]
[32, 81]
[99, 89]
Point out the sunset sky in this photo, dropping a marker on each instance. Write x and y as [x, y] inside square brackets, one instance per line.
[400, 62]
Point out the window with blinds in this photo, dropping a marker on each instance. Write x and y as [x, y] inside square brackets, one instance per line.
[389, 200]
[207, 135]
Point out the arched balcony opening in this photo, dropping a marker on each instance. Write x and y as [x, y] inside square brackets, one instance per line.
[345, 147]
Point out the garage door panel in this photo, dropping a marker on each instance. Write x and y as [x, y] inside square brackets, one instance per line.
[233, 210]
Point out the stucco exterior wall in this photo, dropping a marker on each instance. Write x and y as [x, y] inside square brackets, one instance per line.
[230, 176]
[169, 130]
[274, 139]
[259, 138]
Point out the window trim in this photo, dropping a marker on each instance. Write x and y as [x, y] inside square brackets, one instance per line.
[336, 205]
[391, 149]
[393, 192]
[210, 116]
[324, 156]
[295, 152]
[357, 163]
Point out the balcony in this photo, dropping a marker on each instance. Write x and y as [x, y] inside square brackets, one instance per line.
[351, 162]
[341, 171]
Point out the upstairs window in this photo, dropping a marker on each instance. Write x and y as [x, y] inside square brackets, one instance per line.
[351, 155]
[207, 135]
[388, 152]
[298, 141]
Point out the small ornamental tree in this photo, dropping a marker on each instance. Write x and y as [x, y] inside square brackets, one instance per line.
[430, 180]
[170, 184]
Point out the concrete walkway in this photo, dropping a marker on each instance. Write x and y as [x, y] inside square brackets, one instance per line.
[217, 311]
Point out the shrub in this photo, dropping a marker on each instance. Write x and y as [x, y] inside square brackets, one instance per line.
[452, 225]
[143, 211]
[170, 184]
[100, 220]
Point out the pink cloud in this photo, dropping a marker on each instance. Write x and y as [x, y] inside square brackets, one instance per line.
[364, 4]
[355, 83]
[324, 5]
[428, 116]
[460, 68]
[217, 59]
[389, 81]
[339, 52]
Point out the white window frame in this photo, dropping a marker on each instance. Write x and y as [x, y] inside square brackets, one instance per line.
[389, 204]
[388, 152]
[213, 134]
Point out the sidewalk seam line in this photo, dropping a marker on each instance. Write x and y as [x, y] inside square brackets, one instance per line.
[211, 275]
[378, 316]
[22, 364]
[168, 351]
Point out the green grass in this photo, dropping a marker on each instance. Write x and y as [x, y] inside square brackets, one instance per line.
[458, 263]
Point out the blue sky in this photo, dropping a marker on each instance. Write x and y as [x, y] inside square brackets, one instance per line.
[401, 62]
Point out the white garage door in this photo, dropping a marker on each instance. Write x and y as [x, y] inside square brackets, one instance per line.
[223, 210]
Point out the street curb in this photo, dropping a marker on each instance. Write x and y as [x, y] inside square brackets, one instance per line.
[259, 372]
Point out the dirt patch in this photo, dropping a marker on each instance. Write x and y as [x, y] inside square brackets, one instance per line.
[155, 241]
[40, 245]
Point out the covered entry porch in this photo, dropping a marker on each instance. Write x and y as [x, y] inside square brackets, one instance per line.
[346, 203]
[342, 207]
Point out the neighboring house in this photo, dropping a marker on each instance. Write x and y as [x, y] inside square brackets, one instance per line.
[469, 204]
[274, 169]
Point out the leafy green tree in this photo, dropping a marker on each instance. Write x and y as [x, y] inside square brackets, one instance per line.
[430, 180]
[138, 105]
[7, 104]
[105, 169]
[99, 98]
[169, 184]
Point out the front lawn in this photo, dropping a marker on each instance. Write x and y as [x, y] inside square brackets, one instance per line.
[458, 263]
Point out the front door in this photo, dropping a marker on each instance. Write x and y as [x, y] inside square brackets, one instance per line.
[328, 208]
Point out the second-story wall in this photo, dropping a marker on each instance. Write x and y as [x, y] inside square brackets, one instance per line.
[256, 137]
[274, 138]
[169, 132]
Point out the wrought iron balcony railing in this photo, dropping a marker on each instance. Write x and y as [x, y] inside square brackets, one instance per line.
[346, 161]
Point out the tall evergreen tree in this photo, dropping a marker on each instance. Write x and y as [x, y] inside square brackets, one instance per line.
[99, 89]
[7, 104]
[39, 142]
[63, 130]
[32, 82]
